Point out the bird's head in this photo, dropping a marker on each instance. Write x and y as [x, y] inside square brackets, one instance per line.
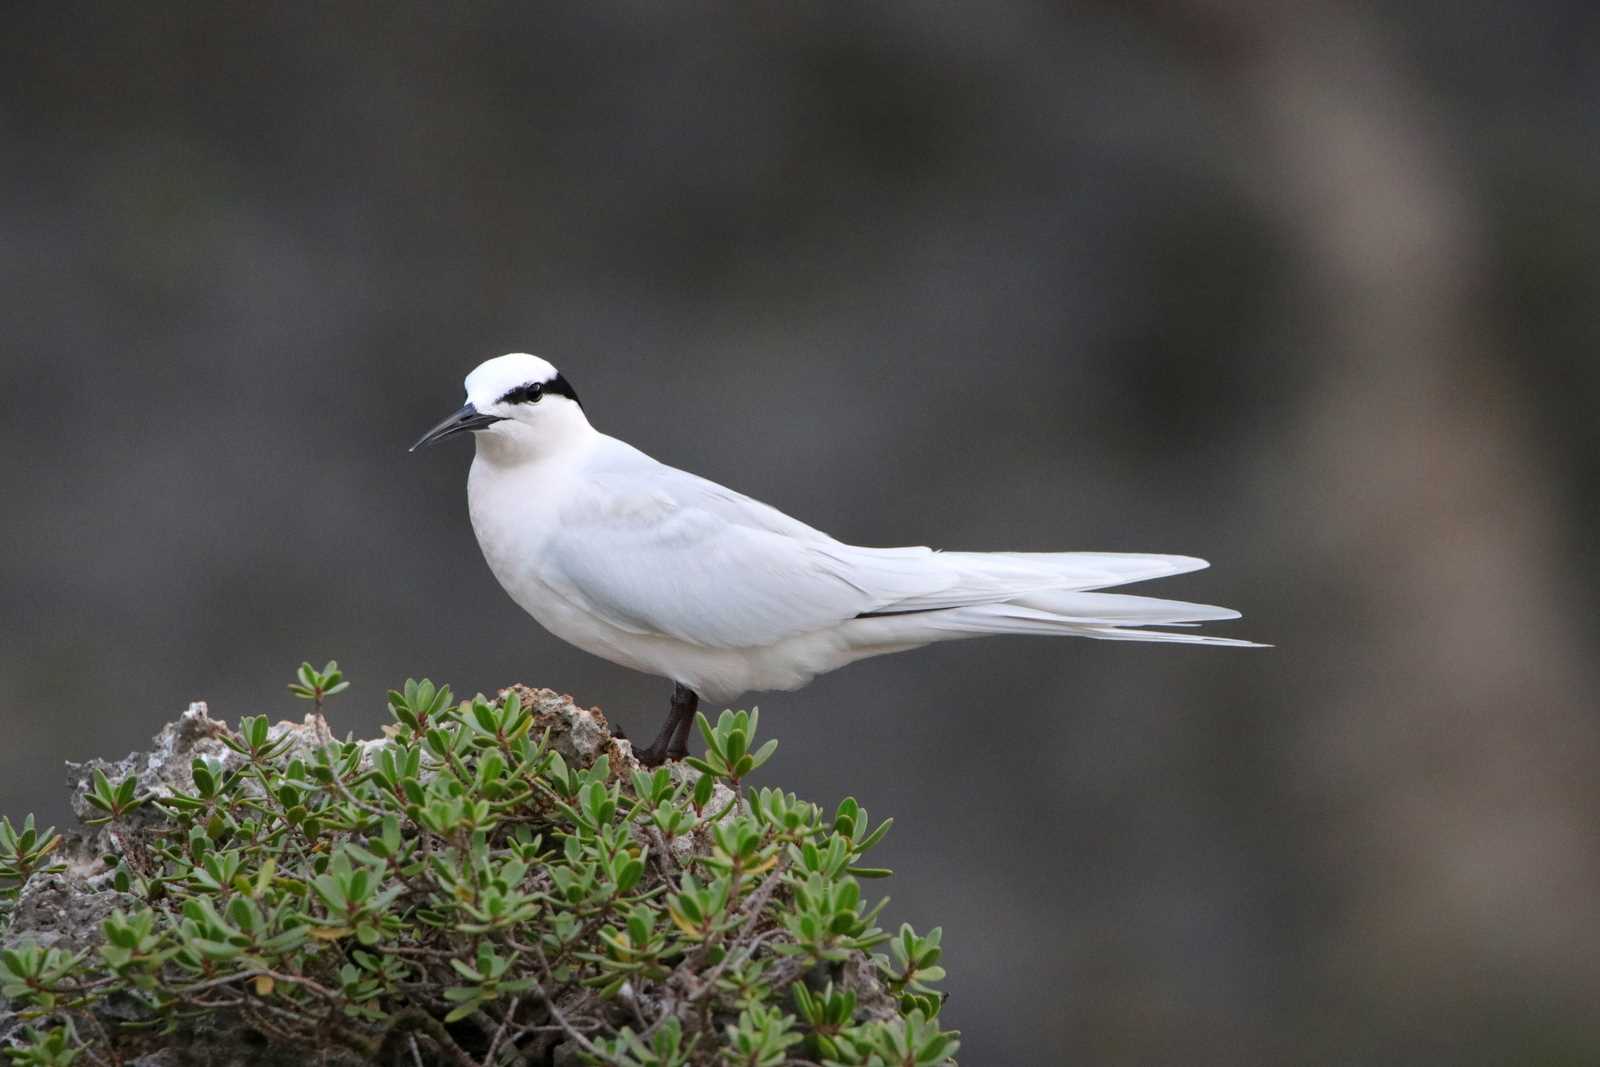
[520, 399]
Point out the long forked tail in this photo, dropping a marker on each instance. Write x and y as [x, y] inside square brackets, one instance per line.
[1055, 593]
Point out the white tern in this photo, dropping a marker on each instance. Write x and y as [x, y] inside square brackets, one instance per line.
[660, 570]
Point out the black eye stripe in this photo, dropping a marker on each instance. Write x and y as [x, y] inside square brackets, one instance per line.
[532, 392]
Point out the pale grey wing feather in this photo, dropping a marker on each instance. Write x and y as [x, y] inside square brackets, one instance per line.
[655, 550]
[624, 470]
[670, 554]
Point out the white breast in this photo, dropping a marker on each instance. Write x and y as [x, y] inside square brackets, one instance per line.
[516, 510]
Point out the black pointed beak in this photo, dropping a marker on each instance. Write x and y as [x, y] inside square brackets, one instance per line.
[468, 418]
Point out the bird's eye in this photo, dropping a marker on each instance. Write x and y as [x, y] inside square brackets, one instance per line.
[524, 394]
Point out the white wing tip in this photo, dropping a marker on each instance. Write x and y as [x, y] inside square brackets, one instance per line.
[1121, 633]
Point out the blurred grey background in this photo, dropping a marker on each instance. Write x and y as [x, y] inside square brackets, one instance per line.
[1306, 288]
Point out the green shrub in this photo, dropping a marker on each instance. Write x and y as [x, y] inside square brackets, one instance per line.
[462, 892]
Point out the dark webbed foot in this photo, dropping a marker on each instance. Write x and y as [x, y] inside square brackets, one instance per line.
[672, 743]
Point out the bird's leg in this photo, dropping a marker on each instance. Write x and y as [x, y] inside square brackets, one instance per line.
[685, 702]
[655, 753]
[672, 742]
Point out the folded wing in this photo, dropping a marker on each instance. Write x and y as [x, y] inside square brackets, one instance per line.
[666, 567]
[654, 550]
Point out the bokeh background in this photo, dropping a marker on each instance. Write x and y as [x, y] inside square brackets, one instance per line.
[1307, 288]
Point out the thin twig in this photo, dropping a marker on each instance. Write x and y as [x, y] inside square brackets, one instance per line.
[416, 1020]
[664, 857]
[555, 1012]
[753, 907]
[500, 1033]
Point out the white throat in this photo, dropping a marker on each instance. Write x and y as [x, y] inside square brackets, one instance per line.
[558, 428]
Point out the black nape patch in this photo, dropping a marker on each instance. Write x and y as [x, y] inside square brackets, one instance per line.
[559, 386]
[533, 392]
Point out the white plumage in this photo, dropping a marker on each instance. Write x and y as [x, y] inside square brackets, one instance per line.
[660, 570]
